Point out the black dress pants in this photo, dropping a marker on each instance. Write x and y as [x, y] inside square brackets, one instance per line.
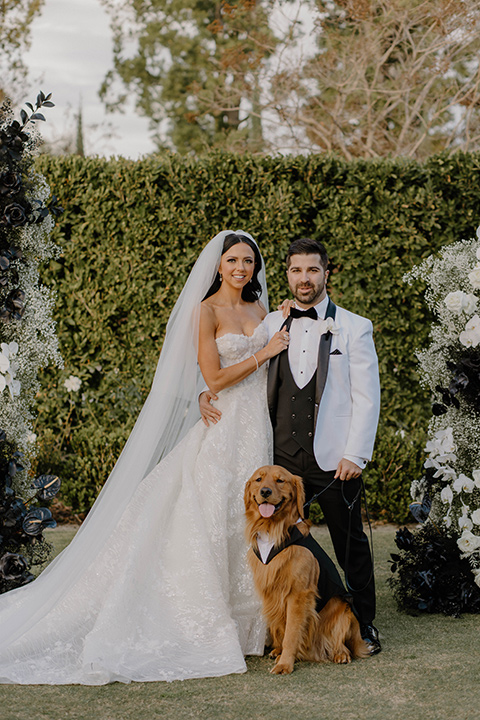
[334, 504]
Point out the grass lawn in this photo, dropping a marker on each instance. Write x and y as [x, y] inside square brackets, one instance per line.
[429, 669]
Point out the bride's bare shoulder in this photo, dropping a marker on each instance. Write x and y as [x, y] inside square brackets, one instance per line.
[262, 312]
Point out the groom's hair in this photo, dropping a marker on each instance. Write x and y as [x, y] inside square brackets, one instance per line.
[307, 246]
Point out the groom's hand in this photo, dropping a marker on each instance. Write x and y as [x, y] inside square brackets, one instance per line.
[347, 470]
[209, 413]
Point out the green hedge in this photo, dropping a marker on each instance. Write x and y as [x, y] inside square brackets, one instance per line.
[131, 231]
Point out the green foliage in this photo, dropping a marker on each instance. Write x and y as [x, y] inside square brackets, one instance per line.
[132, 230]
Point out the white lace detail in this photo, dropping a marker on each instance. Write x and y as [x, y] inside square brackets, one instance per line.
[169, 595]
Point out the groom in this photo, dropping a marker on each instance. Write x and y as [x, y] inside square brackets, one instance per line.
[324, 402]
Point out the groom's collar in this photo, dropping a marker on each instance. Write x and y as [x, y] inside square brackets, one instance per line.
[321, 308]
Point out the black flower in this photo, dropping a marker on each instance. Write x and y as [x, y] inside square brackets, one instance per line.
[37, 520]
[404, 539]
[47, 486]
[12, 566]
[14, 215]
[10, 183]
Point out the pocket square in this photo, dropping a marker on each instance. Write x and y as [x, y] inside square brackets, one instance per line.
[336, 352]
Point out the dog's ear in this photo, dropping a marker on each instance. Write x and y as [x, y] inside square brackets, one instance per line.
[299, 493]
[247, 494]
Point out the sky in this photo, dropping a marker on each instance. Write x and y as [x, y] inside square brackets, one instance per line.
[70, 53]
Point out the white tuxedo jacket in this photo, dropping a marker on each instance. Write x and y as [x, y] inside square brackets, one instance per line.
[347, 416]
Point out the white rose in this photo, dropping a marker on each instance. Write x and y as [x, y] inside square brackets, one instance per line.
[446, 495]
[474, 276]
[469, 303]
[454, 302]
[468, 542]
[72, 383]
[476, 516]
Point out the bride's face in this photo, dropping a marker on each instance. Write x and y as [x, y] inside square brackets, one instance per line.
[237, 265]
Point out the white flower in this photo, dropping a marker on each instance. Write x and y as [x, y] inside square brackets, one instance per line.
[31, 437]
[446, 495]
[9, 350]
[329, 325]
[454, 302]
[476, 516]
[476, 477]
[478, 249]
[458, 302]
[469, 303]
[476, 575]
[470, 337]
[72, 383]
[463, 484]
[464, 523]
[13, 385]
[4, 362]
[468, 542]
[474, 276]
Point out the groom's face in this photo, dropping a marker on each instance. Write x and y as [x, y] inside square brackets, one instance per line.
[307, 279]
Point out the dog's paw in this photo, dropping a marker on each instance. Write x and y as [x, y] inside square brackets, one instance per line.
[342, 658]
[282, 668]
[276, 652]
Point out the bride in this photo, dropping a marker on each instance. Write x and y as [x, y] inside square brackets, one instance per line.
[154, 586]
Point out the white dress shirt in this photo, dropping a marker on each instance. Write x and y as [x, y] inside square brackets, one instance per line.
[305, 336]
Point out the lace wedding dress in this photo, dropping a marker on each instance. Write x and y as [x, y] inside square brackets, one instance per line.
[168, 595]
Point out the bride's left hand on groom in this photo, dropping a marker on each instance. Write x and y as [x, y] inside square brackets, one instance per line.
[285, 307]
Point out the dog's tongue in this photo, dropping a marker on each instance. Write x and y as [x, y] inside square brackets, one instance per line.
[266, 510]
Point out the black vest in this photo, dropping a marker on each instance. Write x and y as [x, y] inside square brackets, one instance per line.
[294, 424]
[329, 581]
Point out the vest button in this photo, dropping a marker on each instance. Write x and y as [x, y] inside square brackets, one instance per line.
[293, 398]
[294, 433]
[293, 416]
[310, 399]
[309, 417]
[309, 434]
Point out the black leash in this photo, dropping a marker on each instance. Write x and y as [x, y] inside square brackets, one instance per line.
[350, 505]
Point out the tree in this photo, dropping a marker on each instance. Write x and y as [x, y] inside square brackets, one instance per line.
[16, 17]
[390, 77]
[196, 70]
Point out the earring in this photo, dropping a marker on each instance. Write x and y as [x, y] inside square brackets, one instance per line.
[220, 276]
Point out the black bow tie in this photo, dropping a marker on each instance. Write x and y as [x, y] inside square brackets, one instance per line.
[310, 313]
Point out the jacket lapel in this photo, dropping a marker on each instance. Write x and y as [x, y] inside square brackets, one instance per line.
[323, 358]
[272, 380]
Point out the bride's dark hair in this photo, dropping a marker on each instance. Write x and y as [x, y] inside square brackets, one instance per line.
[252, 290]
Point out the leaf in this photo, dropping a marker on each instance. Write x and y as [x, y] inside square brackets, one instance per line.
[37, 116]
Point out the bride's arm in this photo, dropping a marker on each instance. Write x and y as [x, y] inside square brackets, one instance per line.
[218, 378]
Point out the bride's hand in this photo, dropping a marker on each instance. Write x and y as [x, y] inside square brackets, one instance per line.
[209, 413]
[278, 343]
[285, 307]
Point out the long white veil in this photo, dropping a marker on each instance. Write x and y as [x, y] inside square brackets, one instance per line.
[170, 410]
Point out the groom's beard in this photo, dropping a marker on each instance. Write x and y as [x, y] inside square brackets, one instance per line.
[308, 298]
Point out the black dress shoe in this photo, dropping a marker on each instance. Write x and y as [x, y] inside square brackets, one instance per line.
[370, 635]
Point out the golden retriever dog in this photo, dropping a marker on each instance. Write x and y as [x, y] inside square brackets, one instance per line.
[303, 624]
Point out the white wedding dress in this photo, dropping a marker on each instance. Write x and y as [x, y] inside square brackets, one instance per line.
[168, 596]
